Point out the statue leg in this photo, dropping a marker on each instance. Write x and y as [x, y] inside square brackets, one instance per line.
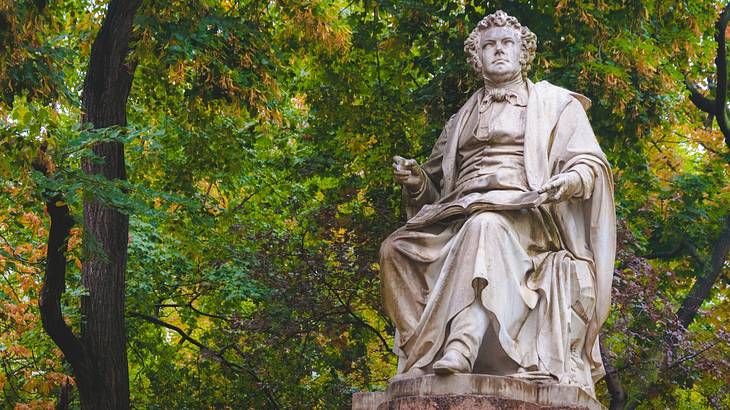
[403, 286]
[410, 263]
[465, 338]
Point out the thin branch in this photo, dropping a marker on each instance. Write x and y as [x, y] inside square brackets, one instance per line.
[255, 376]
[339, 13]
[668, 254]
[13, 254]
[63, 396]
[665, 156]
[682, 245]
[708, 121]
[193, 308]
[695, 354]
[699, 259]
[246, 199]
[174, 328]
[697, 141]
[357, 318]
[219, 355]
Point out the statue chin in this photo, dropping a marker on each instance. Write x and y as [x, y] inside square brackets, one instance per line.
[485, 277]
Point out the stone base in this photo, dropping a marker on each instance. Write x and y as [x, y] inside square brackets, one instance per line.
[367, 401]
[476, 391]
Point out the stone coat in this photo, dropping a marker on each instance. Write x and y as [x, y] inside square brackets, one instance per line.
[558, 137]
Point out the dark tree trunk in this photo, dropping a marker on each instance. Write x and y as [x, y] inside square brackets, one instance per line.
[706, 277]
[63, 401]
[613, 383]
[99, 358]
[106, 89]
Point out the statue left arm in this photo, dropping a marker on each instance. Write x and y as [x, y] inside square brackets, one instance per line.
[576, 157]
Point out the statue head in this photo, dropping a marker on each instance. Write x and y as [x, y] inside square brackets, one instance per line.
[489, 50]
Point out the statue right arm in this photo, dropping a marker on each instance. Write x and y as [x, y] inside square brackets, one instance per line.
[430, 189]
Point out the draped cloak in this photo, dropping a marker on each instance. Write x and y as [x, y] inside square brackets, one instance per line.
[556, 139]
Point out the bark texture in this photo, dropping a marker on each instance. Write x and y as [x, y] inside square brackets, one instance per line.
[99, 357]
[106, 89]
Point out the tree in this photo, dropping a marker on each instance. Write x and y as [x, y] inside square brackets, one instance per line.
[99, 359]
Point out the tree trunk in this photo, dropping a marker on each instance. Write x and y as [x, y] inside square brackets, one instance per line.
[106, 89]
[706, 277]
[613, 382]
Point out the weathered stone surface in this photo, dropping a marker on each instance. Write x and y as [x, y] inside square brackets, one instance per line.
[367, 400]
[467, 402]
[471, 391]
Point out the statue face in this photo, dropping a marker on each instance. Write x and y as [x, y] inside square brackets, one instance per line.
[500, 54]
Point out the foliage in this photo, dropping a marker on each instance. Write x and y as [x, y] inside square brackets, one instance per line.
[258, 152]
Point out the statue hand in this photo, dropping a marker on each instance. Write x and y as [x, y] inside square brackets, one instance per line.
[562, 187]
[408, 173]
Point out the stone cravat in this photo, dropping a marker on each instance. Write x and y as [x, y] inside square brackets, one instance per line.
[499, 95]
[486, 108]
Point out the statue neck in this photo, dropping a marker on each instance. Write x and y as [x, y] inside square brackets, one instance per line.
[516, 84]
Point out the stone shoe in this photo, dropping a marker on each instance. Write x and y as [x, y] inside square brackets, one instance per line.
[452, 362]
[414, 372]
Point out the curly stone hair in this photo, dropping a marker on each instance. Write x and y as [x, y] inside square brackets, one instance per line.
[528, 40]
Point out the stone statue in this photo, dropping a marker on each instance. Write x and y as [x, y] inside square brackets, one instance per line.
[505, 264]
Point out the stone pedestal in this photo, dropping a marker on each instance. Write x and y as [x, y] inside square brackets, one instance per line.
[475, 391]
[367, 401]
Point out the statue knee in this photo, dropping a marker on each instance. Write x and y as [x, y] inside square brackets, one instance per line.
[388, 248]
[492, 221]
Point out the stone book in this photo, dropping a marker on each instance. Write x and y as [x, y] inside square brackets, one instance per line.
[474, 202]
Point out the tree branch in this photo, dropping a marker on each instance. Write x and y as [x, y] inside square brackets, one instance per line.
[721, 64]
[193, 308]
[613, 382]
[54, 284]
[219, 355]
[358, 319]
[695, 354]
[666, 254]
[176, 329]
[700, 101]
[706, 276]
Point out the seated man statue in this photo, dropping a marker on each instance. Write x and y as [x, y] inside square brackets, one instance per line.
[505, 264]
